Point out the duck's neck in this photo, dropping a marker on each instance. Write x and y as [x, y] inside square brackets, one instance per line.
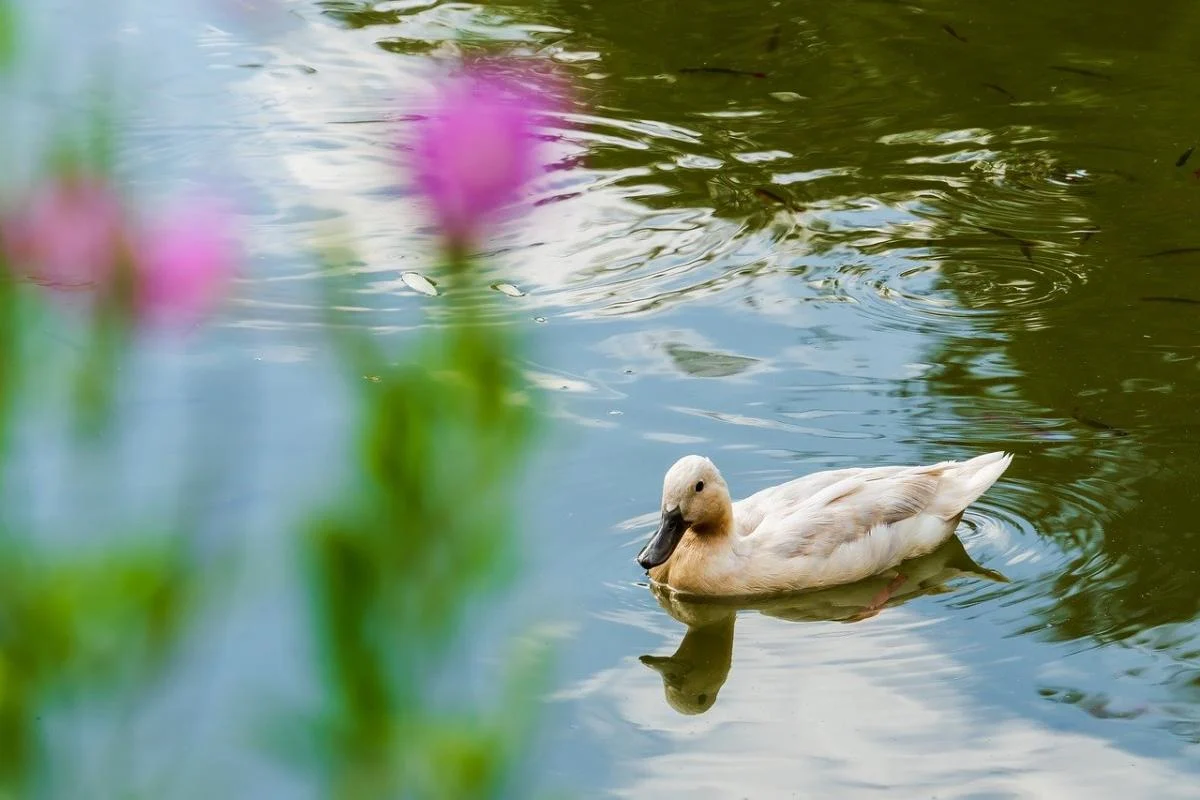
[686, 568]
[716, 526]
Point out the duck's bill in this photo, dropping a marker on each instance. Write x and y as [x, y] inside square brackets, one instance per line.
[664, 541]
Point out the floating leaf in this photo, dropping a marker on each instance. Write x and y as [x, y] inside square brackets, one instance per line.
[508, 289]
[419, 283]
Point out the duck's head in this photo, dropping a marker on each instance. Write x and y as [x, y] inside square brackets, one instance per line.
[694, 496]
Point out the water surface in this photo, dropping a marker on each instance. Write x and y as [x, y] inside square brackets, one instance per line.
[790, 236]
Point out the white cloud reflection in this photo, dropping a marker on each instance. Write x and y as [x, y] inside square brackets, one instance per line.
[817, 711]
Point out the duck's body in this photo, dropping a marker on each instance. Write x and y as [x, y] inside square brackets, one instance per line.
[821, 530]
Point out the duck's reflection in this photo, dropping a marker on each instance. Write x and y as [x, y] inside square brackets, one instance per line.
[695, 673]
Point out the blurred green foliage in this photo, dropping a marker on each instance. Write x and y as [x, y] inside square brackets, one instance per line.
[82, 624]
[425, 534]
[86, 622]
[8, 34]
[421, 537]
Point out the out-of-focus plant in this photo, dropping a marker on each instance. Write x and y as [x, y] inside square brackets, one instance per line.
[104, 614]
[428, 530]
[475, 153]
[184, 261]
[8, 34]
[423, 534]
[73, 234]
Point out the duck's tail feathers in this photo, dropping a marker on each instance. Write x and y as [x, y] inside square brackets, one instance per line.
[963, 482]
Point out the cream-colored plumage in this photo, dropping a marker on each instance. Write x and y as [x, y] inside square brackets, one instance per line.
[824, 529]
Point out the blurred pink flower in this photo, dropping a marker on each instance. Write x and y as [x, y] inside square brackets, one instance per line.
[476, 150]
[68, 235]
[183, 263]
[73, 233]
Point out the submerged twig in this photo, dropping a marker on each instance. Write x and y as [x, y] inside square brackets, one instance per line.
[724, 71]
[1098, 425]
[1088, 73]
[1025, 245]
[1174, 251]
[953, 33]
[768, 195]
[995, 87]
[1170, 299]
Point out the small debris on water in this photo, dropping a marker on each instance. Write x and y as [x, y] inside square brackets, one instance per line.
[773, 39]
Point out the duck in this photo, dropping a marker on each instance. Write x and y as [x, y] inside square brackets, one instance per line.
[695, 673]
[825, 529]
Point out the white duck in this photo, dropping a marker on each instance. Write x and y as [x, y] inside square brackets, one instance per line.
[824, 529]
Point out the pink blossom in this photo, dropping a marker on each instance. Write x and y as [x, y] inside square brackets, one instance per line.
[476, 150]
[68, 235]
[183, 262]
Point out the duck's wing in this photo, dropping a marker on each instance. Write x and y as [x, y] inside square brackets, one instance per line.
[794, 495]
[854, 505]
[843, 513]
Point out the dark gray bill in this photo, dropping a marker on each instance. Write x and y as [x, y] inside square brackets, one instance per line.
[664, 541]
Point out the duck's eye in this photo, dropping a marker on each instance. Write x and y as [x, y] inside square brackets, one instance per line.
[699, 486]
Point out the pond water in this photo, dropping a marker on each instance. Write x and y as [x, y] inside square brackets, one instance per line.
[790, 236]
